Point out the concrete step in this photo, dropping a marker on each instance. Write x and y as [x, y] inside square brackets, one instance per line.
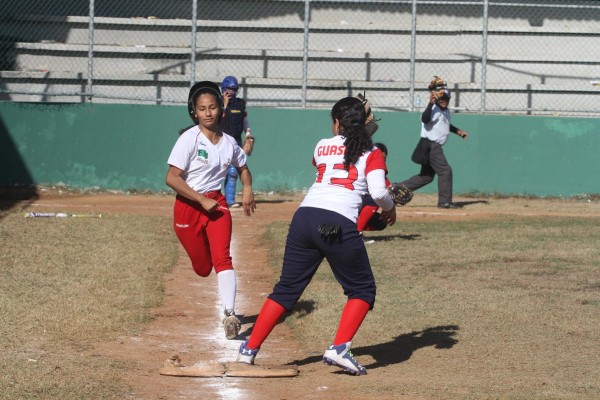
[385, 36]
[260, 92]
[287, 64]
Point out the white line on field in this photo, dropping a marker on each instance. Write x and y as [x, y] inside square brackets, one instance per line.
[99, 205]
[434, 213]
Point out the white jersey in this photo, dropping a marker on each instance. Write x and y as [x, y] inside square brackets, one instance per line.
[205, 164]
[336, 189]
[438, 128]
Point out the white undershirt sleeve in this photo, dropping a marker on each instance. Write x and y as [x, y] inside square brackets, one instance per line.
[377, 189]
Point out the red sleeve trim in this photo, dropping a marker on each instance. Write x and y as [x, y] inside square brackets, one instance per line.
[375, 161]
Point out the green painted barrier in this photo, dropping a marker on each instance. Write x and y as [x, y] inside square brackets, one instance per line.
[125, 147]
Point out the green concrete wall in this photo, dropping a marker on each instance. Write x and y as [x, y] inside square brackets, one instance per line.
[125, 147]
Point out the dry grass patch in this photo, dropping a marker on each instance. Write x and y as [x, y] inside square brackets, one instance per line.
[68, 283]
[505, 306]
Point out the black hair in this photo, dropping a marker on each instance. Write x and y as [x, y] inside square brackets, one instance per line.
[350, 112]
[182, 130]
[381, 147]
[200, 88]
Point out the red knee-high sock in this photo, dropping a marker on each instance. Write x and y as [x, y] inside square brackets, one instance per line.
[353, 315]
[364, 216]
[267, 319]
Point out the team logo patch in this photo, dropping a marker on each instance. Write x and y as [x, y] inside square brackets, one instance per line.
[202, 156]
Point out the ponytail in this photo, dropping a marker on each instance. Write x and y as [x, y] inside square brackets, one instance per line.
[351, 114]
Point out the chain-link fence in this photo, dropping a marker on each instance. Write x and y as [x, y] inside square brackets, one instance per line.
[512, 56]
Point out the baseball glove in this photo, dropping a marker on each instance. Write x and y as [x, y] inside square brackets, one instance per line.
[371, 122]
[438, 86]
[437, 83]
[400, 194]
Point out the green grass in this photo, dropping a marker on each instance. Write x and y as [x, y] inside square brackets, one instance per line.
[504, 307]
[68, 283]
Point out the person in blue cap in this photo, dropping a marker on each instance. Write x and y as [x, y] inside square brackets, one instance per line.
[234, 123]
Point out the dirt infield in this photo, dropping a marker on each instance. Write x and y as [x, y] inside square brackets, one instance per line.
[188, 322]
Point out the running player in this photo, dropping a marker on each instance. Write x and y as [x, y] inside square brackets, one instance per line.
[324, 226]
[197, 167]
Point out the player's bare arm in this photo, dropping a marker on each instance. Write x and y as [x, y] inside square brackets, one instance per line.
[248, 203]
[176, 182]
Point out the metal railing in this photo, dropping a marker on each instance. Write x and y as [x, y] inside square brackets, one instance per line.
[498, 56]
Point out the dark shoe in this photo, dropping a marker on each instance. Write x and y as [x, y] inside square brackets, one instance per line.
[448, 205]
[231, 325]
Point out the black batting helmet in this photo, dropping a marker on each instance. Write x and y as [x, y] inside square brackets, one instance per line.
[197, 90]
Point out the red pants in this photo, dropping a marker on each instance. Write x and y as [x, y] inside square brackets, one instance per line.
[205, 237]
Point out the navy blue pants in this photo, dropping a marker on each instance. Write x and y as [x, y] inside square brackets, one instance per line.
[305, 249]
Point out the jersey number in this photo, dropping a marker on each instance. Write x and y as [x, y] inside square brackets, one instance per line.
[347, 182]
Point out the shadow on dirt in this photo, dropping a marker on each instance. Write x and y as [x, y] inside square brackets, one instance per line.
[401, 348]
[387, 238]
[16, 182]
[461, 204]
[272, 201]
[301, 309]
[13, 196]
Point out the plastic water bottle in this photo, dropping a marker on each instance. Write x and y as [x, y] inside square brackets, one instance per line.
[418, 102]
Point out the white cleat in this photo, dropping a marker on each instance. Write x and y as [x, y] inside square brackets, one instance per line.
[341, 356]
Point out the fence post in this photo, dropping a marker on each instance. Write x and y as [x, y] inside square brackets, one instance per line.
[193, 44]
[413, 54]
[90, 66]
[484, 52]
[305, 55]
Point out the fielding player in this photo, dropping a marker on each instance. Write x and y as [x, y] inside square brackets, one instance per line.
[324, 226]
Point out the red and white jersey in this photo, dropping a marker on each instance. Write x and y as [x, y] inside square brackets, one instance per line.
[205, 164]
[337, 189]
